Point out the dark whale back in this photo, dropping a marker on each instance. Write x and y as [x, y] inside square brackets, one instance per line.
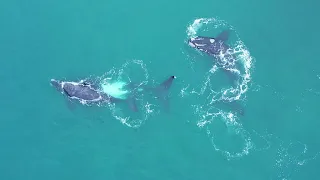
[81, 91]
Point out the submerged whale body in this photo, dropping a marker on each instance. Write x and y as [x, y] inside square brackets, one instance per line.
[92, 94]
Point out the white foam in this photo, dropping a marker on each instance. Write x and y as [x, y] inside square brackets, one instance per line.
[115, 89]
[196, 25]
[206, 111]
[114, 82]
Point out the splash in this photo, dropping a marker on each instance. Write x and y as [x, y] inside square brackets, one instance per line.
[218, 109]
[122, 82]
[115, 89]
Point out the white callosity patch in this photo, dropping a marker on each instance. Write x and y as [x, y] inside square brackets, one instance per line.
[199, 45]
[192, 44]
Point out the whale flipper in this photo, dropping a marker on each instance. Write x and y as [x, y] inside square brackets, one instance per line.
[71, 106]
[130, 101]
[132, 104]
[223, 36]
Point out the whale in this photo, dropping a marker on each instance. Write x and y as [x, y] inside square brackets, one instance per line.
[90, 93]
[215, 47]
[82, 91]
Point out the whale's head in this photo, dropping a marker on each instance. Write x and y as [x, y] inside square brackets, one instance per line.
[69, 88]
[200, 42]
[57, 84]
[208, 45]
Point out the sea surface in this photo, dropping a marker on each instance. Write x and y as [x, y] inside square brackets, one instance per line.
[265, 126]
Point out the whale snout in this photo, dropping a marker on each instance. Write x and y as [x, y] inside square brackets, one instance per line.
[191, 42]
[56, 84]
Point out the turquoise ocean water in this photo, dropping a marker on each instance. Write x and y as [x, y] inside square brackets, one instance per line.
[202, 136]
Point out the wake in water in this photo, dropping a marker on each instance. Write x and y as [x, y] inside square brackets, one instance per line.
[219, 107]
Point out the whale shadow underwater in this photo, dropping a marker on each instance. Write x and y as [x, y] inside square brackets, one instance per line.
[91, 93]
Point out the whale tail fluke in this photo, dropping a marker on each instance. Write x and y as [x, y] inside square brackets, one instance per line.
[161, 92]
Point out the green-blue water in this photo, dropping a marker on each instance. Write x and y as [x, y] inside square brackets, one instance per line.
[41, 138]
